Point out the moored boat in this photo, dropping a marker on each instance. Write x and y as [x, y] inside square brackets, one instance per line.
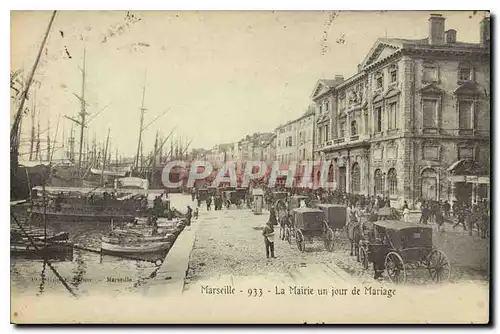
[62, 250]
[136, 244]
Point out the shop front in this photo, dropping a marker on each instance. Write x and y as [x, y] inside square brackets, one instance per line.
[469, 182]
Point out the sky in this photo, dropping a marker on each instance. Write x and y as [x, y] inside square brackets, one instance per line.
[219, 75]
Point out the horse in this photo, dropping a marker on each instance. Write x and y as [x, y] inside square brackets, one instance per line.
[284, 221]
[353, 228]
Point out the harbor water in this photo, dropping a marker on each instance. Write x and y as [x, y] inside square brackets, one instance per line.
[87, 272]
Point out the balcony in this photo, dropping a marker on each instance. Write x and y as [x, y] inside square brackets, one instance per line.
[343, 141]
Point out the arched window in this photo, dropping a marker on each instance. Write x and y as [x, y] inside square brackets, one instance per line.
[356, 178]
[392, 178]
[331, 173]
[379, 186]
[354, 128]
[429, 184]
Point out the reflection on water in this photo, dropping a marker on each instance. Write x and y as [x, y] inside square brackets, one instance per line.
[88, 273]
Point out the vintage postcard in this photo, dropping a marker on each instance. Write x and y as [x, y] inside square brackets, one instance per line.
[250, 167]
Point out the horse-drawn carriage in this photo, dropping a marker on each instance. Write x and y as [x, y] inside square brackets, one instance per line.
[398, 247]
[232, 197]
[284, 214]
[308, 224]
[212, 190]
[335, 218]
[203, 194]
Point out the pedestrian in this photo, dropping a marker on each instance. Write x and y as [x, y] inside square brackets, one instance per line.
[424, 213]
[193, 194]
[189, 215]
[446, 208]
[196, 212]
[272, 216]
[155, 226]
[405, 205]
[459, 212]
[268, 234]
[406, 214]
[209, 203]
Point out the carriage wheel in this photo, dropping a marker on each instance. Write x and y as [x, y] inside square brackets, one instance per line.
[363, 257]
[395, 267]
[288, 234]
[328, 239]
[301, 242]
[438, 266]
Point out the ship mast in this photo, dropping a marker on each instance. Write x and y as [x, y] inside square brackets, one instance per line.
[139, 143]
[15, 127]
[104, 160]
[33, 114]
[83, 112]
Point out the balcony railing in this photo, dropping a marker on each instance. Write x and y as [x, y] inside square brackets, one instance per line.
[355, 137]
[339, 141]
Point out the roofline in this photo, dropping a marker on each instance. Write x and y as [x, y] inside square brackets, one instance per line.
[409, 48]
[295, 120]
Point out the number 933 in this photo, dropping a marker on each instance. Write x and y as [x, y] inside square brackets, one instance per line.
[254, 292]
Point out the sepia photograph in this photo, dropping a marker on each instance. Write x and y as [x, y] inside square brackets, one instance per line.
[250, 167]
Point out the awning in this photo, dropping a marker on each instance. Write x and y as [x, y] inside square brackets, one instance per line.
[469, 179]
[468, 167]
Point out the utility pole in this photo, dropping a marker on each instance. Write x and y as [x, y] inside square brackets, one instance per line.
[139, 143]
[104, 160]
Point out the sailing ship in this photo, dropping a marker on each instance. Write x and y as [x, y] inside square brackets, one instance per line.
[35, 242]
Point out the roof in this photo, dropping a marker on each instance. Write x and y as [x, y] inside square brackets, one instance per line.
[307, 210]
[398, 225]
[329, 82]
[327, 205]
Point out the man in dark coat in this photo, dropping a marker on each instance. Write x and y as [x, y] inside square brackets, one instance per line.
[189, 215]
[268, 234]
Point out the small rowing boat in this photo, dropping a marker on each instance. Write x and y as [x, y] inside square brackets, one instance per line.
[135, 244]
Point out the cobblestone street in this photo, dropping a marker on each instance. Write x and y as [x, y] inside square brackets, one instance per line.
[229, 245]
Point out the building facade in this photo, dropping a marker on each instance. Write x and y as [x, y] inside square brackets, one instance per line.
[295, 139]
[414, 111]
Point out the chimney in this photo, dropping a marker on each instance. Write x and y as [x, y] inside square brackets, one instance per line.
[484, 29]
[339, 78]
[450, 36]
[436, 29]
[359, 67]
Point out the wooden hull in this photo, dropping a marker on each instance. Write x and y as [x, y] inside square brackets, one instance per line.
[83, 217]
[136, 247]
[51, 250]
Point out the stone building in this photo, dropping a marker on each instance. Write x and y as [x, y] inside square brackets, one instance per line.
[269, 149]
[415, 111]
[295, 139]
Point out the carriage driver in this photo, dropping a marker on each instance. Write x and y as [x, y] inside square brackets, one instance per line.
[378, 258]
